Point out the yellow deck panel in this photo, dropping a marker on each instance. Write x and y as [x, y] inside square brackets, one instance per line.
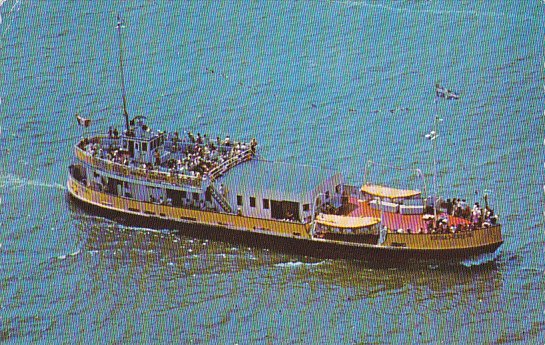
[388, 192]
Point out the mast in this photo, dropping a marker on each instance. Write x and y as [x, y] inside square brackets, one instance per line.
[435, 164]
[120, 24]
[433, 137]
[440, 92]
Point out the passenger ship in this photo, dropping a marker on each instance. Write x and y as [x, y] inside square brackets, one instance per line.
[219, 188]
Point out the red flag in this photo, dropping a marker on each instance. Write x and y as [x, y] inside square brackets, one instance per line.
[83, 121]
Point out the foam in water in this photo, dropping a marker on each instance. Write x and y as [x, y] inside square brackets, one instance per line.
[1, 3]
[297, 264]
[64, 256]
[431, 11]
[15, 7]
[479, 260]
[8, 181]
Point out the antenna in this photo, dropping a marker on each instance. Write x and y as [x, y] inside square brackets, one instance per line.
[120, 25]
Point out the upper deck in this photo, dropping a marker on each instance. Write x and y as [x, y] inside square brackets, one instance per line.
[163, 157]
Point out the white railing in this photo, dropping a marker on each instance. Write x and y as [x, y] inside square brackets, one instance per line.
[139, 173]
[230, 163]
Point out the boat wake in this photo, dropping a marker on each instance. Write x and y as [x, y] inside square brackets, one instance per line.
[119, 225]
[12, 181]
[166, 232]
[430, 11]
[293, 264]
[64, 256]
[479, 260]
[14, 9]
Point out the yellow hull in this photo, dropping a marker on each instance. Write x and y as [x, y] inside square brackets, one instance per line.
[177, 214]
[396, 245]
[463, 240]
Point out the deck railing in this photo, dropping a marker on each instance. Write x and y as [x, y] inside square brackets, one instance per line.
[244, 156]
[139, 173]
[155, 175]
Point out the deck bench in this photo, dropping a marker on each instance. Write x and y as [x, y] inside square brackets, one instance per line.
[384, 206]
[409, 209]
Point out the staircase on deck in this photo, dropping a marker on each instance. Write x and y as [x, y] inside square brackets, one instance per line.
[220, 199]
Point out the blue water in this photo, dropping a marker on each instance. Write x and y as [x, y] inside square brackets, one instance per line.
[314, 81]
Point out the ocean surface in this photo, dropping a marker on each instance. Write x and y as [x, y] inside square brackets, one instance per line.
[326, 83]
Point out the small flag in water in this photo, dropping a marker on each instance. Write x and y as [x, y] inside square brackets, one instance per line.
[445, 93]
[431, 135]
[120, 22]
[83, 121]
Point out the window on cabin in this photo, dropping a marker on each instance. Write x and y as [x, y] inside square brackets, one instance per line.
[127, 189]
[239, 200]
[265, 204]
[252, 201]
[144, 146]
[306, 207]
[114, 186]
[176, 197]
[196, 196]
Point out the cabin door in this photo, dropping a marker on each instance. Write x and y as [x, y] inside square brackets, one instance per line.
[276, 210]
[285, 210]
[131, 148]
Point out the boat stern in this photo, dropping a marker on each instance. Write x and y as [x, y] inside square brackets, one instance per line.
[482, 240]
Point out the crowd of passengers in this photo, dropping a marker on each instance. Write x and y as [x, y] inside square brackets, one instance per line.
[193, 155]
[200, 155]
[478, 217]
[476, 214]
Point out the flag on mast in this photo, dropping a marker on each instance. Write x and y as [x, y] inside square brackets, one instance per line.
[83, 121]
[443, 92]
